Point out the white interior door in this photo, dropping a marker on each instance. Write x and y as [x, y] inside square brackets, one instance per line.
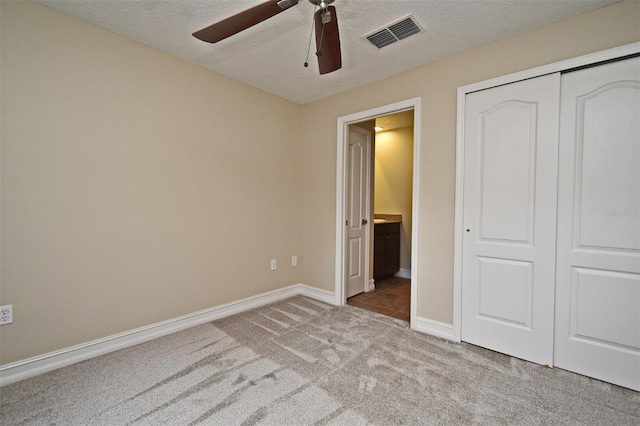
[510, 188]
[357, 247]
[598, 269]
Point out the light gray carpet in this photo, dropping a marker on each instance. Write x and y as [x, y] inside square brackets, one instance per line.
[300, 362]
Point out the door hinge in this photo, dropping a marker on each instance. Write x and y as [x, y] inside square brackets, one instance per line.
[346, 223]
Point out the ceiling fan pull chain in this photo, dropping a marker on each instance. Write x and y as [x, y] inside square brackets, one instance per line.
[306, 63]
[326, 17]
[319, 52]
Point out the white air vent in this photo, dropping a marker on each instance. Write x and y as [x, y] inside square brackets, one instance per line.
[395, 31]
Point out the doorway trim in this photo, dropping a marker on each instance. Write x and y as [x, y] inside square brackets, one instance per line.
[343, 123]
[561, 66]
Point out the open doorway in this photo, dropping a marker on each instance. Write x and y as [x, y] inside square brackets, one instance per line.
[391, 202]
[392, 268]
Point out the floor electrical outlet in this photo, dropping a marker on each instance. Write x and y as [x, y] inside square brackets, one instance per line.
[6, 314]
[294, 260]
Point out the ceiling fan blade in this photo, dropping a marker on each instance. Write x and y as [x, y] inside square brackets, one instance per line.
[243, 20]
[328, 42]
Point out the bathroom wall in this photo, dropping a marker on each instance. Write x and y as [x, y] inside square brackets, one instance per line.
[394, 182]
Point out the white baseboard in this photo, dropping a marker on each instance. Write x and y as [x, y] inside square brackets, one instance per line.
[316, 293]
[435, 328]
[403, 273]
[20, 370]
[372, 285]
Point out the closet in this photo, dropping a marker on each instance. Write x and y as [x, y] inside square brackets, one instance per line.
[550, 238]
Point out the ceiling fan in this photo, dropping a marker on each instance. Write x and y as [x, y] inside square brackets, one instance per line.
[325, 22]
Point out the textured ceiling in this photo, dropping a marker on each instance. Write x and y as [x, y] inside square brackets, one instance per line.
[270, 55]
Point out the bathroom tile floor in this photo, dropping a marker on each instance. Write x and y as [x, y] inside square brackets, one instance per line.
[391, 297]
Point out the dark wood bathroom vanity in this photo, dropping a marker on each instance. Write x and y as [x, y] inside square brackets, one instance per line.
[386, 245]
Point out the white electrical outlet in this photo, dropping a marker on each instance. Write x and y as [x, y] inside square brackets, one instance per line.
[274, 265]
[6, 314]
[294, 260]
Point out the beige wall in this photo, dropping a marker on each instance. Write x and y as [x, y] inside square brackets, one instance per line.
[135, 187]
[436, 84]
[394, 182]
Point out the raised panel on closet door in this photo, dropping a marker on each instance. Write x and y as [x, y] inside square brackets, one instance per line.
[598, 261]
[510, 183]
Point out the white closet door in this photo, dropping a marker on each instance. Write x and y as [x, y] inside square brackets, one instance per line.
[510, 205]
[598, 262]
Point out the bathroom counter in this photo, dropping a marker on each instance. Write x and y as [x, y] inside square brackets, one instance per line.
[386, 218]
